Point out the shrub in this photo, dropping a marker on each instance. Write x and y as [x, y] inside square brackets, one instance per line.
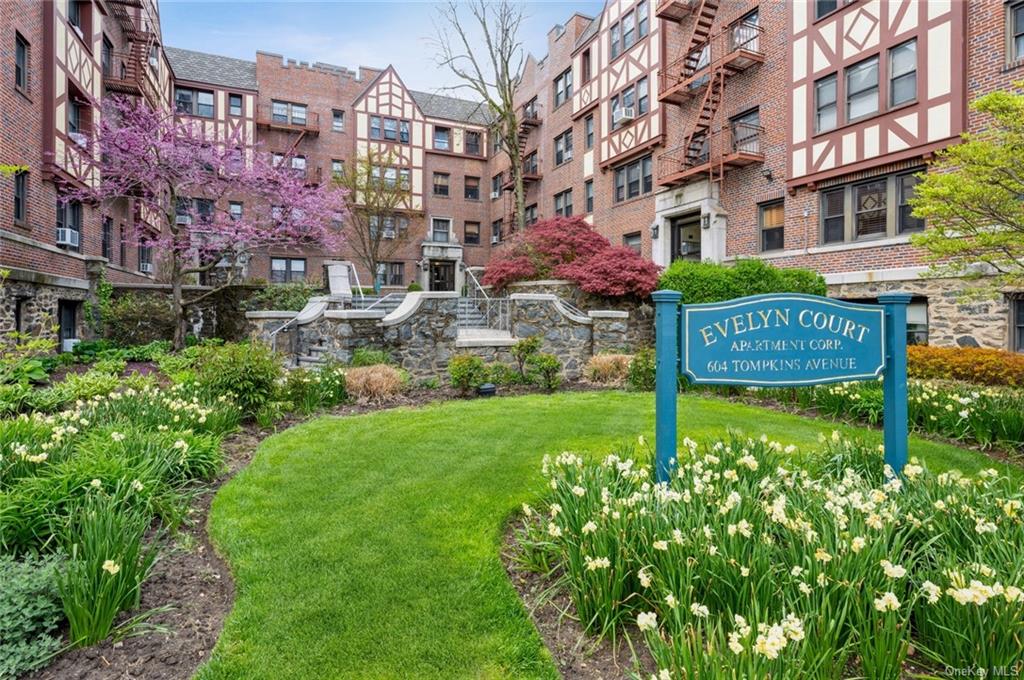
[250, 371]
[374, 383]
[701, 282]
[466, 372]
[107, 564]
[290, 297]
[113, 367]
[523, 350]
[612, 272]
[414, 287]
[970, 364]
[608, 369]
[368, 356]
[502, 374]
[75, 386]
[310, 390]
[545, 370]
[641, 370]
[133, 319]
[29, 613]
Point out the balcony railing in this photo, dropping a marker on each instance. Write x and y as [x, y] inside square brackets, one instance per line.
[265, 117]
[128, 72]
[737, 145]
[734, 49]
[674, 10]
[531, 116]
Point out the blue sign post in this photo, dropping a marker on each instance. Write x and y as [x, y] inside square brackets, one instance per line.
[780, 340]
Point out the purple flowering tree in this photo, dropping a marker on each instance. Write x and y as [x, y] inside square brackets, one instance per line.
[186, 186]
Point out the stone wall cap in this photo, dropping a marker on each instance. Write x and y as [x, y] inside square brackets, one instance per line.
[355, 314]
[485, 342]
[412, 301]
[271, 314]
[533, 296]
[607, 314]
[542, 282]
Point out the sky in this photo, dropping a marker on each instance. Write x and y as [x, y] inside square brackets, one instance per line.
[342, 32]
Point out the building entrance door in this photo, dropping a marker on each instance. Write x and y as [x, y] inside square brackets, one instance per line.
[686, 237]
[442, 275]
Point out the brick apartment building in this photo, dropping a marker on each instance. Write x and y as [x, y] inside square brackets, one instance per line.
[698, 129]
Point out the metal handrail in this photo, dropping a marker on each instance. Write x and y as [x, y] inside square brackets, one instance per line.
[571, 307]
[476, 283]
[374, 304]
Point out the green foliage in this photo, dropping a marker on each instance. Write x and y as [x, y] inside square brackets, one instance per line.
[970, 199]
[544, 370]
[29, 613]
[310, 390]
[368, 356]
[641, 370]
[523, 350]
[502, 374]
[282, 296]
[138, 318]
[248, 371]
[107, 564]
[466, 372]
[89, 351]
[95, 313]
[701, 282]
[414, 287]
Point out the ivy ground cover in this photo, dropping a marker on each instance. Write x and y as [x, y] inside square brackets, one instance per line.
[369, 546]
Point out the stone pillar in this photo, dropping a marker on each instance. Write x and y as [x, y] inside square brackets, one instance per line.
[610, 331]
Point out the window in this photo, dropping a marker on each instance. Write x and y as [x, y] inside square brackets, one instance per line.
[299, 164]
[193, 102]
[563, 87]
[440, 228]
[823, 7]
[375, 127]
[107, 57]
[862, 89]
[337, 168]
[586, 66]
[287, 112]
[496, 231]
[917, 322]
[563, 203]
[833, 214]
[337, 121]
[904, 192]
[21, 63]
[825, 108]
[772, 217]
[531, 110]
[903, 73]
[633, 241]
[403, 131]
[388, 175]
[441, 180]
[635, 97]
[588, 196]
[633, 27]
[69, 224]
[472, 143]
[746, 132]
[530, 166]
[106, 237]
[122, 245]
[287, 269]
[531, 214]
[75, 14]
[394, 274]
[234, 104]
[869, 208]
[75, 117]
[563, 147]
[588, 131]
[145, 255]
[20, 197]
[442, 138]
[1018, 335]
[496, 183]
[746, 34]
[391, 129]
[633, 179]
[235, 210]
[1015, 31]
[471, 233]
[472, 188]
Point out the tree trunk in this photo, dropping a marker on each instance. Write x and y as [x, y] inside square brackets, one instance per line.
[520, 201]
[177, 308]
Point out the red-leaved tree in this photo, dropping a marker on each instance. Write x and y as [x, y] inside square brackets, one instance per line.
[182, 180]
[569, 248]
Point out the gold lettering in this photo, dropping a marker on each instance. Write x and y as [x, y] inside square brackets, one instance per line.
[782, 317]
[738, 325]
[709, 337]
[804, 318]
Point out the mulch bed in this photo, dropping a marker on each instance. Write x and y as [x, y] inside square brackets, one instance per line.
[578, 655]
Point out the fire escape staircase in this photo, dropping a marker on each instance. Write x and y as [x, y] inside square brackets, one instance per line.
[679, 74]
[129, 72]
[529, 121]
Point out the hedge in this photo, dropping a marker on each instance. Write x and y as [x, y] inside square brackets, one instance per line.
[970, 364]
[708, 282]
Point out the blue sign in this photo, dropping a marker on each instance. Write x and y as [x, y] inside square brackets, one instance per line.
[781, 340]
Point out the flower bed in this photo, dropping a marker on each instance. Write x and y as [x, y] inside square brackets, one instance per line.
[756, 561]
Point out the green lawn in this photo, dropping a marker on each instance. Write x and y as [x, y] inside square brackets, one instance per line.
[368, 546]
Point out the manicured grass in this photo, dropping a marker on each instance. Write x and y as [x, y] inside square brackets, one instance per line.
[368, 547]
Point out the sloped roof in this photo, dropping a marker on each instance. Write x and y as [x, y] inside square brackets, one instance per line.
[451, 108]
[589, 31]
[214, 69]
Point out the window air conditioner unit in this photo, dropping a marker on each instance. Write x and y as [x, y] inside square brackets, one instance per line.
[389, 233]
[495, 195]
[146, 267]
[567, 156]
[67, 237]
[183, 219]
[624, 115]
[78, 138]
[68, 345]
[495, 240]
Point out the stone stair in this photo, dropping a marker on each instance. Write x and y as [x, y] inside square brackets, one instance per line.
[314, 359]
[387, 306]
[470, 315]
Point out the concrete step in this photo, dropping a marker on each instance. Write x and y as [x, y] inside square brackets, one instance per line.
[484, 337]
[307, 361]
